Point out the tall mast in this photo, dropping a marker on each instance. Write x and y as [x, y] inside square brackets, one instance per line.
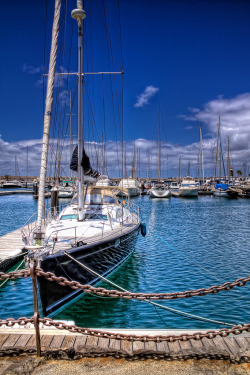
[79, 14]
[179, 168]
[201, 158]
[70, 126]
[48, 111]
[159, 144]
[228, 161]
[217, 151]
[219, 144]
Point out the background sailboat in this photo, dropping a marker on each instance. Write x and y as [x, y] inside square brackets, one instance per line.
[159, 189]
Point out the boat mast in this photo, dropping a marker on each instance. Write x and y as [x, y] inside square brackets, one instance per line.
[201, 158]
[219, 151]
[159, 145]
[79, 14]
[228, 161]
[47, 114]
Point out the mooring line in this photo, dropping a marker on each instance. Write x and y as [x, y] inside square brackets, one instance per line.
[5, 281]
[178, 312]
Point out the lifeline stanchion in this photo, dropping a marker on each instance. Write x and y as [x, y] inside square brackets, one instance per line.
[36, 310]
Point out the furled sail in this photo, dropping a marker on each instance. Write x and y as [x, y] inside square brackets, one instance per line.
[85, 163]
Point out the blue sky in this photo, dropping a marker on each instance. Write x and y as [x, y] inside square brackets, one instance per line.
[191, 57]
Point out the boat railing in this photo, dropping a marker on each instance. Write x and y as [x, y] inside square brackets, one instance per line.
[31, 224]
[134, 210]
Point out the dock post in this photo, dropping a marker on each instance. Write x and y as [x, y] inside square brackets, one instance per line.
[36, 311]
[54, 202]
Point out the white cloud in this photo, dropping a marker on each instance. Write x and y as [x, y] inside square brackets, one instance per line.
[144, 97]
[235, 122]
[30, 69]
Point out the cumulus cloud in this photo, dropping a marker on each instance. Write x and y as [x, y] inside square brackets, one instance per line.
[235, 121]
[145, 96]
[108, 158]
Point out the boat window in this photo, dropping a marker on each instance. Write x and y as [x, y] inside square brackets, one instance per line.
[68, 217]
[96, 217]
[108, 199]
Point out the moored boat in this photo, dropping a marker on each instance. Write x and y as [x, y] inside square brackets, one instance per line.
[188, 188]
[95, 233]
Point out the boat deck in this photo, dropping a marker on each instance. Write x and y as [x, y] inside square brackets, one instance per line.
[63, 344]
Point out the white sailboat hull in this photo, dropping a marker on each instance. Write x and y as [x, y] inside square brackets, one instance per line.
[154, 193]
[220, 193]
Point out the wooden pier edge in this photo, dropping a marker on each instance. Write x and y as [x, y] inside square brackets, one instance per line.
[65, 345]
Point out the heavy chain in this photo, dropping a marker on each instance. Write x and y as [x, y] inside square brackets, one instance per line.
[224, 332]
[10, 322]
[142, 296]
[14, 274]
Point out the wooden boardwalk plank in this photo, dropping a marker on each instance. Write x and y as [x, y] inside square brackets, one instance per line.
[114, 344]
[103, 342]
[185, 345]
[242, 342]
[45, 341]
[11, 340]
[127, 346]
[197, 344]
[174, 346]
[92, 340]
[31, 344]
[68, 342]
[162, 347]
[151, 345]
[138, 346]
[23, 340]
[3, 338]
[80, 342]
[56, 342]
[220, 344]
[232, 345]
[208, 343]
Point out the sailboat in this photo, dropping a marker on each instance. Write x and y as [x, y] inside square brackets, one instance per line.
[220, 189]
[159, 189]
[92, 236]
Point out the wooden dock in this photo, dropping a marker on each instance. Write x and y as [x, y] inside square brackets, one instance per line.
[11, 249]
[63, 344]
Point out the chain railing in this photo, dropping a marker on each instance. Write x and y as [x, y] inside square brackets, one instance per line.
[34, 271]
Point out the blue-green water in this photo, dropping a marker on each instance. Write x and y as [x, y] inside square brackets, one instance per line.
[191, 243]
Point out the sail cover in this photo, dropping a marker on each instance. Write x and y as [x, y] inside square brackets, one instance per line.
[85, 163]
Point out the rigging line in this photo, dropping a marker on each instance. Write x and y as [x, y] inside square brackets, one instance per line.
[178, 312]
[105, 27]
[92, 124]
[112, 60]
[119, 16]
[160, 317]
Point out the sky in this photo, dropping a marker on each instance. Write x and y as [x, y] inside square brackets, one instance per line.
[190, 57]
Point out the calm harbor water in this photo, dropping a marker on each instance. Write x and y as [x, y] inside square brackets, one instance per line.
[191, 243]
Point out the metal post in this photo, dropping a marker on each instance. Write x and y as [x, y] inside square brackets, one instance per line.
[36, 311]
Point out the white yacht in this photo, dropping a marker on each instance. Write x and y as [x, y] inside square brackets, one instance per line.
[128, 186]
[188, 187]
